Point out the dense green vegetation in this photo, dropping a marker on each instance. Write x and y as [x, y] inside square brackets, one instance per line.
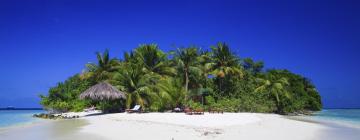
[215, 78]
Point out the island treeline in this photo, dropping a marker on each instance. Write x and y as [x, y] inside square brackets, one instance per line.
[216, 78]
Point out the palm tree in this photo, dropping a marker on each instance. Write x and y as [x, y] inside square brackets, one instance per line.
[171, 92]
[200, 85]
[224, 63]
[276, 87]
[103, 69]
[251, 66]
[142, 74]
[153, 60]
[132, 80]
[205, 65]
[186, 60]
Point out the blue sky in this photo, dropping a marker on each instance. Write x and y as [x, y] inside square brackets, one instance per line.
[45, 42]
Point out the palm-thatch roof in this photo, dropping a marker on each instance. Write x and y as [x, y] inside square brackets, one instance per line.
[103, 91]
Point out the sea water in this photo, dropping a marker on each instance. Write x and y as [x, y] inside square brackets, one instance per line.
[334, 117]
[348, 117]
[344, 124]
[20, 125]
[10, 118]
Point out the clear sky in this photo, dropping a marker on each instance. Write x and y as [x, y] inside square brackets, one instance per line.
[45, 42]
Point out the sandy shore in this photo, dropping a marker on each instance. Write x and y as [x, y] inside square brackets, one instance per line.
[178, 126]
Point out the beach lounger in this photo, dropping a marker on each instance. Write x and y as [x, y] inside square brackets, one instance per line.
[198, 112]
[135, 109]
[188, 111]
[177, 109]
[211, 110]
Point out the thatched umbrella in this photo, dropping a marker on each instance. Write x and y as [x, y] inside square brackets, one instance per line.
[103, 91]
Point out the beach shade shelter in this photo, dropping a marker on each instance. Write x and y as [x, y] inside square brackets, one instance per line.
[200, 93]
[102, 92]
[204, 92]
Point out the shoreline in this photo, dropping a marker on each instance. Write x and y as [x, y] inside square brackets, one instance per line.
[25, 125]
[51, 129]
[173, 126]
[326, 122]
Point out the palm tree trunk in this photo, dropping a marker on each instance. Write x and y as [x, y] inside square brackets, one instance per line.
[186, 84]
[220, 86]
[279, 107]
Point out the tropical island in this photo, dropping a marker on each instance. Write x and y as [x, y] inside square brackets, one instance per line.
[159, 81]
[187, 93]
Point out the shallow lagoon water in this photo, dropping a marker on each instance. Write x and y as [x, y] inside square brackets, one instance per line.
[341, 116]
[343, 124]
[10, 118]
[334, 117]
[49, 130]
[20, 125]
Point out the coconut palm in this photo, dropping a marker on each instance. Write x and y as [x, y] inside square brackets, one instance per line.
[225, 63]
[205, 65]
[132, 80]
[200, 83]
[171, 93]
[251, 66]
[186, 60]
[275, 87]
[103, 69]
[142, 73]
[153, 60]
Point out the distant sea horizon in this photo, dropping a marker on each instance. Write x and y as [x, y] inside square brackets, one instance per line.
[21, 108]
[342, 108]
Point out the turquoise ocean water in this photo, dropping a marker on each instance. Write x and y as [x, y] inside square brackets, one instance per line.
[344, 123]
[10, 118]
[341, 117]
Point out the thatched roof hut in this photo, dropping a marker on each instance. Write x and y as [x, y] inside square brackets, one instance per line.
[103, 91]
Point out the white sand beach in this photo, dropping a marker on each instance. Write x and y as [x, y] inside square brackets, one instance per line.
[178, 126]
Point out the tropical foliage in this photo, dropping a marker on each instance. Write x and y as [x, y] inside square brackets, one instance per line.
[209, 79]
